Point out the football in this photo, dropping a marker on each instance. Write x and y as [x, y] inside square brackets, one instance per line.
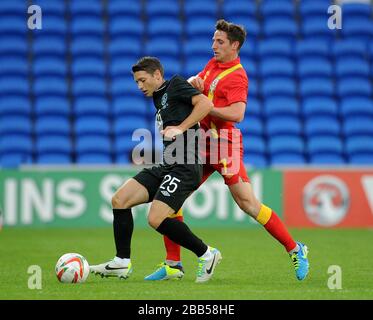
[72, 268]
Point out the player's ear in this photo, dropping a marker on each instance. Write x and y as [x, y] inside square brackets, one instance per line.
[158, 74]
[235, 45]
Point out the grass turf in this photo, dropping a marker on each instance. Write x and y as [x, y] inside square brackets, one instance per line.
[254, 266]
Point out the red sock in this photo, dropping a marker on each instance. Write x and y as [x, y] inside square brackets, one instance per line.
[172, 248]
[272, 223]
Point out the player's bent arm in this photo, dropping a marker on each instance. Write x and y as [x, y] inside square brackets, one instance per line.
[201, 108]
[234, 112]
[197, 83]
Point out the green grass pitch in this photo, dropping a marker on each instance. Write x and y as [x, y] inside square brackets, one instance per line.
[254, 266]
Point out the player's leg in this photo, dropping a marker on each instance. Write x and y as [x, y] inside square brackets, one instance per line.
[244, 196]
[172, 266]
[131, 193]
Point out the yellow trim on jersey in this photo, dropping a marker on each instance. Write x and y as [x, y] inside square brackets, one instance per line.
[177, 214]
[264, 215]
[219, 77]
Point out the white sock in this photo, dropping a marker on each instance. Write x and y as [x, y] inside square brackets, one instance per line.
[122, 261]
[172, 263]
[296, 249]
[207, 254]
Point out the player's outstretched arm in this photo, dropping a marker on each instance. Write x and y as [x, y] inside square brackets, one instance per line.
[234, 112]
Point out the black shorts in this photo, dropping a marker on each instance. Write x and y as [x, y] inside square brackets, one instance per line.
[171, 184]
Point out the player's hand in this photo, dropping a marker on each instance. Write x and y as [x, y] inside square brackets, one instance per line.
[170, 132]
[197, 83]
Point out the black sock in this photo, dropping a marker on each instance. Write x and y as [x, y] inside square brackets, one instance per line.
[123, 228]
[180, 233]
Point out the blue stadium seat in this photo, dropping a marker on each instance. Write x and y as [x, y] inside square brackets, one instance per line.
[283, 29]
[126, 27]
[126, 47]
[124, 86]
[93, 106]
[49, 125]
[172, 66]
[316, 28]
[356, 106]
[13, 25]
[15, 105]
[16, 144]
[314, 67]
[167, 27]
[194, 65]
[52, 105]
[13, 8]
[358, 125]
[53, 144]
[124, 8]
[358, 29]
[354, 86]
[349, 48]
[92, 125]
[255, 160]
[357, 10]
[49, 46]
[248, 49]
[312, 48]
[283, 125]
[254, 145]
[121, 66]
[365, 159]
[94, 158]
[315, 8]
[270, 48]
[322, 125]
[156, 47]
[87, 46]
[253, 107]
[13, 124]
[86, 8]
[351, 66]
[251, 126]
[241, 8]
[51, 8]
[250, 66]
[123, 106]
[207, 8]
[52, 26]
[50, 85]
[278, 86]
[13, 45]
[330, 159]
[89, 86]
[316, 87]
[15, 159]
[165, 8]
[292, 144]
[198, 47]
[13, 65]
[96, 146]
[253, 89]
[128, 124]
[319, 106]
[273, 67]
[359, 146]
[200, 27]
[282, 9]
[288, 159]
[50, 66]
[281, 106]
[14, 85]
[53, 159]
[87, 26]
[88, 66]
[252, 26]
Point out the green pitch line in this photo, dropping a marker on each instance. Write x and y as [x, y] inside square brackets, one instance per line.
[254, 266]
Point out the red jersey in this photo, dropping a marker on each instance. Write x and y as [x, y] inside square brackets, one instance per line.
[230, 89]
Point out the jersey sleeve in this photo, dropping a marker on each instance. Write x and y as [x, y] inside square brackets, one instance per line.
[182, 90]
[236, 89]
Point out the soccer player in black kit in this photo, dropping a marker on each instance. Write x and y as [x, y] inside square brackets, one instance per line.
[179, 107]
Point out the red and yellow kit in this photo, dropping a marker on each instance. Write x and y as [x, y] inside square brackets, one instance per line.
[224, 84]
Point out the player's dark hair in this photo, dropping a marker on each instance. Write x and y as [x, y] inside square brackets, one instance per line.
[149, 65]
[234, 32]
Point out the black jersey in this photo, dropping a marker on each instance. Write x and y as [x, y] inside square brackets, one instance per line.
[173, 101]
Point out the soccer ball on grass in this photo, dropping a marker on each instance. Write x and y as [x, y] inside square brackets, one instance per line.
[72, 268]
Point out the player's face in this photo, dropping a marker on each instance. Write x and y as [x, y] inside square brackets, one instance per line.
[223, 50]
[147, 82]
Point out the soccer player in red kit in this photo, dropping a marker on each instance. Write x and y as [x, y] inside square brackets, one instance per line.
[224, 81]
